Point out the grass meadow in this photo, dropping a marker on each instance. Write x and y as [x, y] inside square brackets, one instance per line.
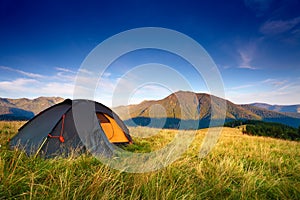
[238, 167]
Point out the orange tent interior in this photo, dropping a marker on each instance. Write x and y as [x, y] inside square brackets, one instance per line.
[111, 129]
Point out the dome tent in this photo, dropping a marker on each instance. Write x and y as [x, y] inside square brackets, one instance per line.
[57, 130]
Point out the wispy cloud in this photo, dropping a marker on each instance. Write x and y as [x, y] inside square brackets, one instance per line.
[106, 74]
[246, 54]
[274, 27]
[28, 74]
[242, 87]
[60, 74]
[64, 75]
[224, 66]
[272, 91]
[65, 70]
[246, 58]
[274, 82]
[61, 83]
[85, 71]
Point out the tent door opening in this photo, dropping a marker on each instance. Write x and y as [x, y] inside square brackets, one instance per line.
[111, 129]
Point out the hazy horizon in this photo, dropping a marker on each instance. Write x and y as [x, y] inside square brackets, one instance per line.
[154, 99]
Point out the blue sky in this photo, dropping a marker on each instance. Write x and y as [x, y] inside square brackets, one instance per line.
[254, 43]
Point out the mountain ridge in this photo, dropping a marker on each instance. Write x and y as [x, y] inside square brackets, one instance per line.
[24, 108]
[198, 109]
[179, 106]
[295, 108]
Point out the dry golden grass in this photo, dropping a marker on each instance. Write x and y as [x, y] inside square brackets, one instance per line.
[7, 130]
[238, 167]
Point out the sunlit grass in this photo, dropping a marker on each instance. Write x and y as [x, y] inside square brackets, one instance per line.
[7, 130]
[239, 167]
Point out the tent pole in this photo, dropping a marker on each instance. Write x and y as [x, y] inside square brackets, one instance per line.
[41, 146]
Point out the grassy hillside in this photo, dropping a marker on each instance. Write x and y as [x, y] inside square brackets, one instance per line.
[239, 167]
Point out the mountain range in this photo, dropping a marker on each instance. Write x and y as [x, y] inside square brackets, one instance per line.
[24, 109]
[279, 108]
[191, 109]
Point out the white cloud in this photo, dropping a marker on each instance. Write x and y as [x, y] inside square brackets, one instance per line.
[65, 70]
[31, 88]
[56, 89]
[28, 74]
[18, 84]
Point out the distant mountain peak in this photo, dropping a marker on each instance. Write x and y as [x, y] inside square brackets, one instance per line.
[186, 105]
